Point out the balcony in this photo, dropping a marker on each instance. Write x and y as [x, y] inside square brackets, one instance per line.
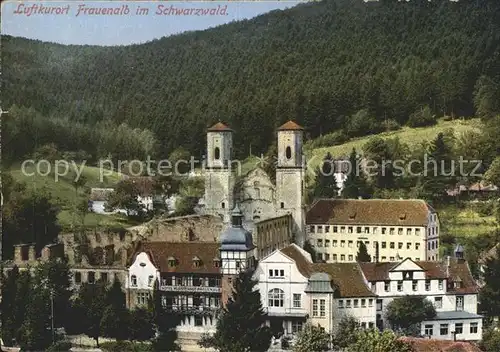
[285, 312]
[192, 289]
[193, 310]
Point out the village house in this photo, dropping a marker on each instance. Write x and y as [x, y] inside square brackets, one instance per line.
[294, 290]
[392, 229]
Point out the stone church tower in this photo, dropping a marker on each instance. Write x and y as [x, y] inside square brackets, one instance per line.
[285, 197]
[219, 179]
[290, 175]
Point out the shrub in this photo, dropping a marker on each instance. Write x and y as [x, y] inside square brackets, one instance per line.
[422, 117]
[392, 125]
[125, 346]
[328, 140]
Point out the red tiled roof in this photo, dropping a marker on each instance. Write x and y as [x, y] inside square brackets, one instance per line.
[430, 345]
[346, 276]
[290, 126]
[144, 184]
[397, 212]
[219, 127]
[183, 253]
[433, 270]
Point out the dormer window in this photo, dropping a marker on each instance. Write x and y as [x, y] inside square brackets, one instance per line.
[402, 216]
[133, 281]
[352, 216]
[171, 262]
[457, 283]
[217, 262]
[196, 262]
[150, 280]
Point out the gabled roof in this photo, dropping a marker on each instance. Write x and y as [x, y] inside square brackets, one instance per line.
[183, 253]
[431, 345]
[219, 127]
[290, 126]
[347, 277]
[433, 270]
[100, 194]
[396, 212]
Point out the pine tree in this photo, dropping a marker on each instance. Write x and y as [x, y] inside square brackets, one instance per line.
[326, 182]
[355, 185]
[115, 319]
[165, 323]
[241, 325]
[489, 297]
[363, 255]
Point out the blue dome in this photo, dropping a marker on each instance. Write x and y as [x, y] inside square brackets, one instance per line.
[235, 237]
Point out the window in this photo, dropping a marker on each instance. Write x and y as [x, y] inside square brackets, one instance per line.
[327, 256]
[327, 229]
[473, 328]
[350, 244]
[311, 228]
[438, 302]
[417, 232]
[334, 257]
[348, 303]
[322, 308]
[319, 243]
[315, 307]
[375, 230]
[363, 303]
[276, 273]
[104, 277]
[384, 245]
[171, 262]
[460, 303]
[276, 298]
[288, 152]
[370, 302]
[408, 231]
[400, 231]
[334, 243]
[459, 328]
[384, 258]
[335, 229]
[349, 229]
[142, 298]
[150, 280]
[91, 277]
[417, 246]
[351, 257]
[320, 229]
[379, 304]
[282, 205]
[341, 303]
[198, 320]
[342, 229]
[356, 303]
[358, 229]
[78, 277]
[443, 329]
[414, 285]
[342, 244]
[427, 285]
[384, 230]
[392, 245]
[342, 257]
[440, 284]
[391, 259]
[319, 256]
[400, 286]
[216, 153]
[400, 245]
[296, 300]
[391, 231]
[429, 331]
[296, 327]
[408, 245]
[387, 286]
[327, 243]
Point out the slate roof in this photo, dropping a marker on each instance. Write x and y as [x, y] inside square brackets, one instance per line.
[290, 126]
[183, 253]
[395, 212]
[219, 127]
[458, 271]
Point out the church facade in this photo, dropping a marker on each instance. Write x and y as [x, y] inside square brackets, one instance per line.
[258, 198]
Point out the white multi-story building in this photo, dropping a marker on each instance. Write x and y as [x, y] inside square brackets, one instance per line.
[392, 229]
[294, 290]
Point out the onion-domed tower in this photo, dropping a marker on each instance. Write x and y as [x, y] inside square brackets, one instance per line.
[236, 252]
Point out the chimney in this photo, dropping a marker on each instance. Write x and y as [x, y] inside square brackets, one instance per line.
[31, 253]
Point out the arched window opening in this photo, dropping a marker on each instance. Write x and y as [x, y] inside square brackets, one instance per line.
[216, 153]
[288, 152]
[133, 280]
[276, 297]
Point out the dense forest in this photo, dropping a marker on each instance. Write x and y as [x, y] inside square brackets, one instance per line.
[321, 64]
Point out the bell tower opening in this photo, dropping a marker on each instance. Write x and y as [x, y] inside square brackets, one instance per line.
[288, 152]
[216, 153]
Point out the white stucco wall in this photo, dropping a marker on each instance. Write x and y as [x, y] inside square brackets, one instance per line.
[142, 268]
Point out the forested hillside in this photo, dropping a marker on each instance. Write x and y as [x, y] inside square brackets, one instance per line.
[319, 63]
